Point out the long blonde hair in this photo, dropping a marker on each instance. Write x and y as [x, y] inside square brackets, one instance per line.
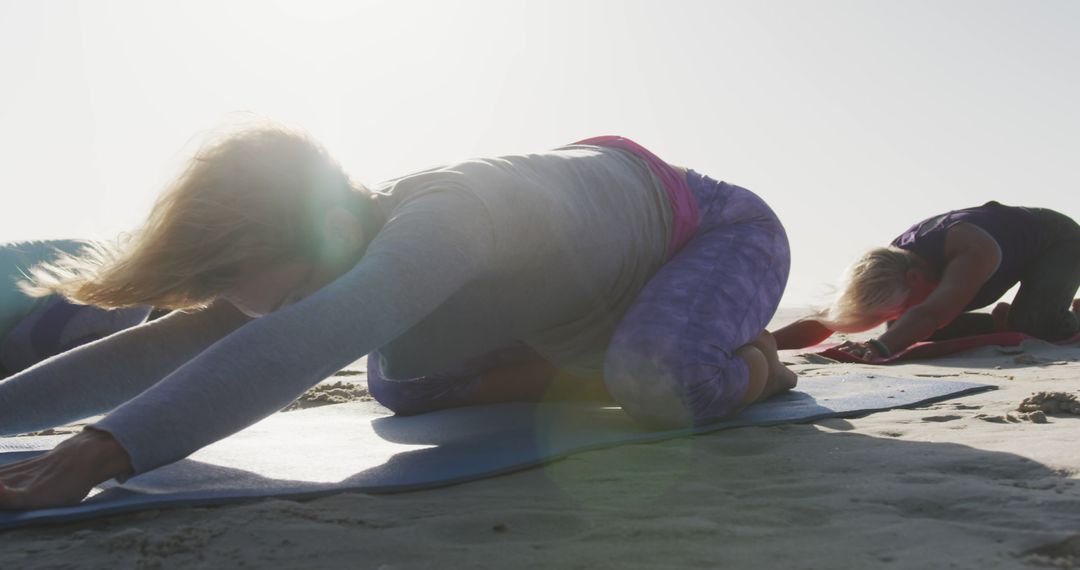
[874, 290]
[247, 198]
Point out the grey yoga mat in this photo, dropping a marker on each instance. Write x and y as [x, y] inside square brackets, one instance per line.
[360, 447]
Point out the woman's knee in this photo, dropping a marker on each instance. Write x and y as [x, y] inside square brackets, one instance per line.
[394, 395]
[1049, 326]
[411, 396]
[404, 398]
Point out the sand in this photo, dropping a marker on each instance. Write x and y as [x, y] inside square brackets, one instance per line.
[974, 482]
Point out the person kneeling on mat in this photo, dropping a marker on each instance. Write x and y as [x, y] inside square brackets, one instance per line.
[926, 282]
[479, 282]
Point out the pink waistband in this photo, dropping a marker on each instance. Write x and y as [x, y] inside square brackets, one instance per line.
[684, 207]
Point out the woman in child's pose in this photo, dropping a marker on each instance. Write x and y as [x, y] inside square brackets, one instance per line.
[472, 283]
[928, 279]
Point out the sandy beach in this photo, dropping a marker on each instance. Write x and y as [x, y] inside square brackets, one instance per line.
[966, 483]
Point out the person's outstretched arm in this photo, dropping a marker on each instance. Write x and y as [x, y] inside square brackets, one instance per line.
[420, 258]
[95, 378]
[802, 333]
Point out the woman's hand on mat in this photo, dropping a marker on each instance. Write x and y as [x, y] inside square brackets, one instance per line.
[861, 350]
[65, 475]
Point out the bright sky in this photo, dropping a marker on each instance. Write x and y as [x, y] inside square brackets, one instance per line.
[853, 119]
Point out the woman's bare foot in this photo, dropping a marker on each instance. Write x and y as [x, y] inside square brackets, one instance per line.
[780, 377]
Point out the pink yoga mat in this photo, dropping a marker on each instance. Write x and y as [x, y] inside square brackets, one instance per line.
[932, 349]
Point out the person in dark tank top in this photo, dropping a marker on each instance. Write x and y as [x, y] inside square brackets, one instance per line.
[927, 282]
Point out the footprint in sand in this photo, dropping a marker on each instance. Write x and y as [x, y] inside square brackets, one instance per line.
[944, 418]
[1035, 417]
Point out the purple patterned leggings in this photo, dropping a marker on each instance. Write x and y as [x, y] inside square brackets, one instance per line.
[671, 360]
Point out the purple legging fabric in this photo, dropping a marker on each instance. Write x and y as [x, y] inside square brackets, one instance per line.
[671, 360]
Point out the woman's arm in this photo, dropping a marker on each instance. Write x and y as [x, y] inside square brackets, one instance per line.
[972, 256]
[422, 257]
[97, 377]
[802, 333]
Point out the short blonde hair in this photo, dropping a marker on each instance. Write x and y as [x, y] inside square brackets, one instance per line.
[874, 290]
[247, 198]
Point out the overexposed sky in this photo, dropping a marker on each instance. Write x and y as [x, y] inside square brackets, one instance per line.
[853, 119]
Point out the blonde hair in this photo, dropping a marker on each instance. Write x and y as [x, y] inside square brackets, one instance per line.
[874, 289]
[248, 198]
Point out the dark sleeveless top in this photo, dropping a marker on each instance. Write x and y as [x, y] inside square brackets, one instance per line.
[1015, 230]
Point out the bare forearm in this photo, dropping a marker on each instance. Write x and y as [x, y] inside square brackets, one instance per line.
[913, 326]
[801, 334]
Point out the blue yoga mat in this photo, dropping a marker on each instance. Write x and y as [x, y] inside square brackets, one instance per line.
[360, 447]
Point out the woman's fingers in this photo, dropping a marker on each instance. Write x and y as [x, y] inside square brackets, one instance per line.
[853, 348]
[14, 495]
[850, 347]
[48, 485]
[14, 479]
[10, 498]
[15, 474]
[63, 476]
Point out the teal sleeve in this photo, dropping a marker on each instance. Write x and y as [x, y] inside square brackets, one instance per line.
[15, 260]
